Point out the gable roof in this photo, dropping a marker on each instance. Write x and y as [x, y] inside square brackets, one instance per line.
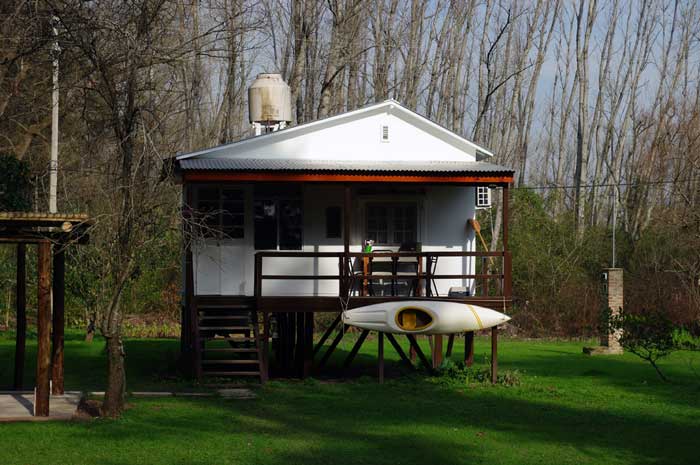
[259, 144]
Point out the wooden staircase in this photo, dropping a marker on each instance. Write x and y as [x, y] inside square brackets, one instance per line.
[229, 341]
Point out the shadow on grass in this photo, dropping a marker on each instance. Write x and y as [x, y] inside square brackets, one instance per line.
[398, 423]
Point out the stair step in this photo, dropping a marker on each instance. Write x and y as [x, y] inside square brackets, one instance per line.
[239, 339]
[230, 362]
[224, 317]
[232, 328]
[231, 373]
[225, 306]
[241, 350]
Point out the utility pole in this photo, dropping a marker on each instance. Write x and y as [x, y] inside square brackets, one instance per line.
[53, 165]
[614, 227]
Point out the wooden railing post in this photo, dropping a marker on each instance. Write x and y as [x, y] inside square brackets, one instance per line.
[507, 275]
[257, 283]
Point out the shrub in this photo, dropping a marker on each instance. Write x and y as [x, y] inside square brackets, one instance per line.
[458, 374]
[648, 334]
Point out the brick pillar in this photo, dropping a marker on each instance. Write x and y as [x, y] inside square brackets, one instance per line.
[615, 294]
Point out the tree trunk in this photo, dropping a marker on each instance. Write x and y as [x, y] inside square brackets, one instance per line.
[116, 378]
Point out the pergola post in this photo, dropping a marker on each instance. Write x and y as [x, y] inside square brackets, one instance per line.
[59, 267]
[21, 308]
[43, 356]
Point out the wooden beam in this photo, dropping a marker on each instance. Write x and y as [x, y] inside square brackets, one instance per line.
[224, 176]
[469, 348]
[330, 350]
[397, 347]
[494, 354]
[21, 308]
[424, 360]
[327, 333]
[43, 357]
[57, 359]
[356, 348]
[289, 304]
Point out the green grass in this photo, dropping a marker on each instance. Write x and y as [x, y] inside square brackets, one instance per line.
[569, 408]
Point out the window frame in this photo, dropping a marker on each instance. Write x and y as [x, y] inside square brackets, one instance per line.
[278, 198]
[219, 230]
[391, 208]
[482, 197]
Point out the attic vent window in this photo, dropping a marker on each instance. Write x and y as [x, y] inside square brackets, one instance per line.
[385, 133]
[483, 197]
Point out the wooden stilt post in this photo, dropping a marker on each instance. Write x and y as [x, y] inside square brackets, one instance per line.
[21, 308]
[43, 357]
[469, 348]
[494, 354]
[437, 351]
[265, 373]
[380, 357]
[450, 345]
[308, 343]
[59, 267]
[300, 345]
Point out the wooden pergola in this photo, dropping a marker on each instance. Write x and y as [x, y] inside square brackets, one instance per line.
[47, 231]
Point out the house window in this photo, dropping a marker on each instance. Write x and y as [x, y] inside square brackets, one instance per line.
[219, 211]
[334, 222]
[483, 197]
[278, 220]
[391, 224]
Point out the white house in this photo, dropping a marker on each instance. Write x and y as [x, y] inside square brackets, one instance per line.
[278, 221]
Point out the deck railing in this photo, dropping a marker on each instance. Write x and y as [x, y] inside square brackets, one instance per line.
[493, 280]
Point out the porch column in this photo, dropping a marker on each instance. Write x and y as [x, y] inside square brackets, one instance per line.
[21, 309]
[347, 206]
[506, 194]
[59, 266]
[507, 264]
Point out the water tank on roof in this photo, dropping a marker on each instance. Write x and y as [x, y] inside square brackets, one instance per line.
[269, 102]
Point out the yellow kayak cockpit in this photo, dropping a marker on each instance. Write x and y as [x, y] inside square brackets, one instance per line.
[413, 319]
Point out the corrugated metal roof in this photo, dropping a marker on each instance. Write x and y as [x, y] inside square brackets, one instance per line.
[269, 164]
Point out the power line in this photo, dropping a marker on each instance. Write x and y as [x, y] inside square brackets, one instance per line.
[621, 184]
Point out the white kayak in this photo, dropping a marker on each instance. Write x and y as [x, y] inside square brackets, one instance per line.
[423, 317]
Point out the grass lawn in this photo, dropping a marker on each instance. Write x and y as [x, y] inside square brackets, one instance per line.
[569, 408]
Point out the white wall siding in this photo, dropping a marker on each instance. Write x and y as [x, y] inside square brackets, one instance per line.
[227, 267]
